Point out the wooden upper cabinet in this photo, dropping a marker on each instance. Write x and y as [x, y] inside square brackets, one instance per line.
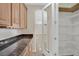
[23, 16]
[16, 15]
[13, 15]
[5, 14]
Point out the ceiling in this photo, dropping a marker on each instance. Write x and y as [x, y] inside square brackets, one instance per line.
[35, 4]
[64, 5]
[67, 5]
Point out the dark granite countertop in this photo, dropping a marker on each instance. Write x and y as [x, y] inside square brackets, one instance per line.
[27, 35]
[22, 40]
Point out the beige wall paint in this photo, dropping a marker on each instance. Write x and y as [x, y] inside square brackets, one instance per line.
[31, 23]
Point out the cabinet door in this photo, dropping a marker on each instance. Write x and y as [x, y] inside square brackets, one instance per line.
[28, 50]
[5, 14]
[15, 15]
[23, 16]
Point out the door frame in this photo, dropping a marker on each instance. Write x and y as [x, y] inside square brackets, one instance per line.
[55, 38]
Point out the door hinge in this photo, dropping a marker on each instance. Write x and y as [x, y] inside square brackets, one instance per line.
[55, 54]
[55, 38]
[54, 22]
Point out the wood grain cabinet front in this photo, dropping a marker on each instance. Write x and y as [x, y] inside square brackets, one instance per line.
[16, 15]
[19, 15]
[13, 15]
[5, 14]
[23, 16]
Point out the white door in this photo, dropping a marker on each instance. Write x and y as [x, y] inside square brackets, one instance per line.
[50, 29]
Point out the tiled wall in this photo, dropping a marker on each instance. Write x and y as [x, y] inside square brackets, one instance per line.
[66, 43]
[69, 33]
[75, 33]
